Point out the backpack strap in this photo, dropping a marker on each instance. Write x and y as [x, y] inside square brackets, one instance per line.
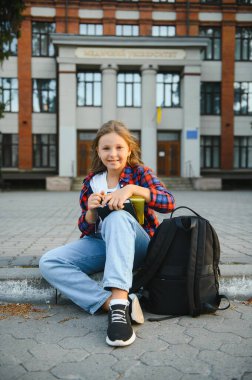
[188, 208]
[191, 270]
[217, 270]
[159, 250]
[159, 319]
[212, 308]
[216, 244]
[199, 264]
[222, 296]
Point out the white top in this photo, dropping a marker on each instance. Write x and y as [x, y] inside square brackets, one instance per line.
[99, 183]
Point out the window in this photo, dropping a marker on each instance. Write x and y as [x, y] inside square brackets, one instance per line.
[44, 151]
[41, 45]
[91, 29]
[168, 90]
[128, 90]
[244, 2]
[163, 1]
[211, 2]
[127, 30]
[44, 95]
[213, 50]
[243, 44]
[210, 102]
[89, 89]
[243, 98]
[163, 31]
[210, 152]
[9, 150]
[243, 152]
[9, 47]
[9, 94]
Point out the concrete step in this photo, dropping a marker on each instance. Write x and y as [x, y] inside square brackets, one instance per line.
[172, 183]
[178, 183]
[77, 184]
[20, 285]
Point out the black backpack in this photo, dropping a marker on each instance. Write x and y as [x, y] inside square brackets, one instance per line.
[180, 275]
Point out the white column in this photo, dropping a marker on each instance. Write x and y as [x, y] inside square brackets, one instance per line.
[148, 123]
[109, 72]
[67, 120]
[190, 139]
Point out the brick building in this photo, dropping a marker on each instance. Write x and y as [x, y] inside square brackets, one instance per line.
[178, 73]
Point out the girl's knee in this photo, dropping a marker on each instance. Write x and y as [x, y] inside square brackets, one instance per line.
[43, 263]
[46, 262]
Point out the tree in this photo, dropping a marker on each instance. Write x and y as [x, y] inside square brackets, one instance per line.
[10, 23]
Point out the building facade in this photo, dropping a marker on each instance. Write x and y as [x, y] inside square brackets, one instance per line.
[177, 73]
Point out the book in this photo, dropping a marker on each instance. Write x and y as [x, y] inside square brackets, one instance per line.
[138, 203]
[105, 210]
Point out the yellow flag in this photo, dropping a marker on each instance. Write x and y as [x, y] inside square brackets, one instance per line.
[159, 115]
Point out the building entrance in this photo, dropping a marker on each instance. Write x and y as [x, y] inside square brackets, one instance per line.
[84, 152]
[168, 154]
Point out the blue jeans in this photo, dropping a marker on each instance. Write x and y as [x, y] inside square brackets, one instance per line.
[118, 250]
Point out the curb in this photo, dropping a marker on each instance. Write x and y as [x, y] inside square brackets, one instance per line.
[20, 285]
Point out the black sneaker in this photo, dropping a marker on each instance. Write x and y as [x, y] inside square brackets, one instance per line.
[135, 310]
[120, 331]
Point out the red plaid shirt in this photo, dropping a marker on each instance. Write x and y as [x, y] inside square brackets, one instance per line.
[161, 199]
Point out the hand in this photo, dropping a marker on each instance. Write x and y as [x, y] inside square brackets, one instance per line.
[116, 199]
[95, 200]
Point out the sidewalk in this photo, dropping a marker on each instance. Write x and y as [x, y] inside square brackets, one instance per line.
[63, 342]
[32, 223]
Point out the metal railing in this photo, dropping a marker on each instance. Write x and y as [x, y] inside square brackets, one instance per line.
[189, 172]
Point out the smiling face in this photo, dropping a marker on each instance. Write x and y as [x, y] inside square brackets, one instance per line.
[113, 151]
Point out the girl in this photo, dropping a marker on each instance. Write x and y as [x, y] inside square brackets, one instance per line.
[118, 244]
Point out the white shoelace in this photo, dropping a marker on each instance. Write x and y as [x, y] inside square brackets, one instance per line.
[118, 316]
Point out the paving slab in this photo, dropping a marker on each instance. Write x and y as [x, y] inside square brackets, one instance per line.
[32, 223]
[64, 342]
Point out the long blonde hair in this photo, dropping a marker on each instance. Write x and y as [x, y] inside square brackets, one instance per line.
[119, 128]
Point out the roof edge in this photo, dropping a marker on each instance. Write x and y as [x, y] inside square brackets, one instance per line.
[62, 39]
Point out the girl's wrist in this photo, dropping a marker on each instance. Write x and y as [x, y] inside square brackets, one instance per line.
[91, 216]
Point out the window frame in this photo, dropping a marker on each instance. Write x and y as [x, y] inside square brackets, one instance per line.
[242, 95]
[12, 98]
[95, 84]
[211, 2]
[244, 2]
[130, 89]
[211, 45]
[9, 47]
[205, 149]
[123, 33]
[247, 149]
[214, 91]
[163, 1]
[89, 26]
[158, 28]
[46, 35]
[42, 146]
[164, 102]
[12, 152]
[242, 44]
[40, 91]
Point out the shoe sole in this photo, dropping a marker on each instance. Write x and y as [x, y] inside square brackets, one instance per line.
[121, 343]
[136, 310]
